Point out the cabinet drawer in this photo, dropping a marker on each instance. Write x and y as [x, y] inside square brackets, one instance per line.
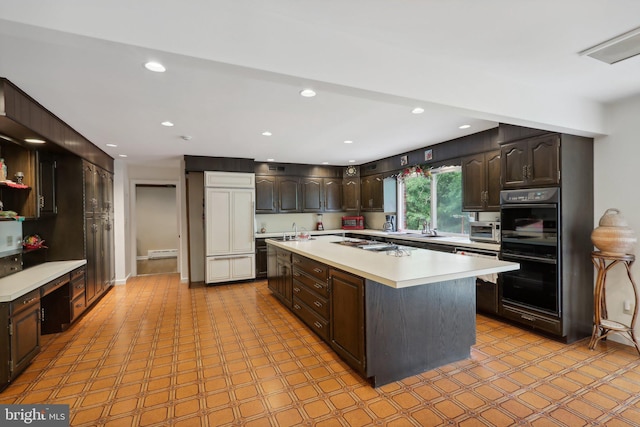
[318, 304]
[54, 284]
[77, 306]
[315, 322]
[321, 288]
[77, 274]
[311, 267]
[77, 286]
[283, 255]
[535, 321]
[24, 302]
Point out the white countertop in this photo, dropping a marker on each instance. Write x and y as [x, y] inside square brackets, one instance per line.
[25, 281]
[439, 240]
[421, 267]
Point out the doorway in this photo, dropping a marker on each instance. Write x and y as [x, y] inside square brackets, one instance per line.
[156, 229]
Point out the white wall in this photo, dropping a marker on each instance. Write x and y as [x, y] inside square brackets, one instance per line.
[616, 186]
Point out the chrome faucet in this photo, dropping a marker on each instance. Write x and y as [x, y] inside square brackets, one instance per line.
[426, 229]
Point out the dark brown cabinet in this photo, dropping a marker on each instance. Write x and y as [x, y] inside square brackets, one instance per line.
[372, 193]
[98, 191]
[24, 331]
[312, 195]
[279, 274]
[23, 201]
[288, 194]
[321, 195]
[266, 195]
[261, 258]
[532, 162]
[481, 182]
[351, 194]
[311, 293]
[332, 194]
[347, 335]
[46, 200]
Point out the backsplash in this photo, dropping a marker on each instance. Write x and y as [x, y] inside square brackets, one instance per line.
[10, 235]
[278, 223]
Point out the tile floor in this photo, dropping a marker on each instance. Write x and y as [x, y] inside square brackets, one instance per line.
[156, 353]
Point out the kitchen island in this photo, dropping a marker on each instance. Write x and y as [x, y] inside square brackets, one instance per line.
[387, 316]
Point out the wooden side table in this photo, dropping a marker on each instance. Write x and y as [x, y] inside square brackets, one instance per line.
[602, 326]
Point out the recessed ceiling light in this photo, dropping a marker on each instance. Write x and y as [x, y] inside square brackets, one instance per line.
[418, 110]
[122, 155]
[308, 93]
[186, 137]
[112, 145]
[270, 160]
[348, 142]
[266, 133]
[35, 141]
[464, 127]
[352, 161]
[167, 123]
[156, 67]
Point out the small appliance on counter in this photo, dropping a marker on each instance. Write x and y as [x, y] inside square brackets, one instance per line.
[389, 223]
[484, 231]
[353, 223]
[319, 225]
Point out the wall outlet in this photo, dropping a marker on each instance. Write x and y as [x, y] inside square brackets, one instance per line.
[626, 306]
[9, 240]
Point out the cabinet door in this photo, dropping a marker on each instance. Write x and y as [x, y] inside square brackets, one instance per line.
[312, 195]
[332, 194]
[514, 161]
[347, 317]
[25, 338]
[229, 221]
[288, 194]
[90, 194]
[473, 182]
[261, 259]
[226, 268]
[351, 194]
[266, 194]
[5, 345]
[372, 192]
[46, 185]
[492, 198]
[544, 161]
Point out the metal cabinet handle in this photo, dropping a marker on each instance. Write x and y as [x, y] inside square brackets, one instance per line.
[296, 274]
[529, 318]
[79, 305]
[27, 301]
[318, 325]
[317, 303]
[317, 285]
[296, 306]
[41, 201]
[318, 270]
[296, 261]
[296, 290]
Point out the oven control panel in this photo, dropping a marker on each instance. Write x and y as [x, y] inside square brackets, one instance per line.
[526, 196]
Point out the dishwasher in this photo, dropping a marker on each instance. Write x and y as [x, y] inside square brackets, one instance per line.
[486, 284]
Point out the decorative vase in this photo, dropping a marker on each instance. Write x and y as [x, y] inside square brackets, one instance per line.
[613, 236]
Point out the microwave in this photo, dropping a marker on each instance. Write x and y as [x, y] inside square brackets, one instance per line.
[484, 231]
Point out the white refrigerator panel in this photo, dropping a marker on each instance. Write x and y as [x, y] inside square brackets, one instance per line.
[229, 221]
[224, 269]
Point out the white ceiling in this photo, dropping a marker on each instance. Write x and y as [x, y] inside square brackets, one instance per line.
[235, 67]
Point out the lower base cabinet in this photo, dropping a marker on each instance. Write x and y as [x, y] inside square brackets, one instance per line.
[230, 268]
[24, 331]
[347, 318]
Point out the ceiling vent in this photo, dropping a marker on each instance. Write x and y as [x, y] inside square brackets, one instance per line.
[617, 49]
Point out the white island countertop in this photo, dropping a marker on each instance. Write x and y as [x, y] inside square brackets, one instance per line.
[25, 281]
[421, 267]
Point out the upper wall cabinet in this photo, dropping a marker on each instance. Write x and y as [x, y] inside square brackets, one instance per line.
[372, 193]
[289, 194]
[266, 195]
[351, 194]
[532, 162]
[481, 182]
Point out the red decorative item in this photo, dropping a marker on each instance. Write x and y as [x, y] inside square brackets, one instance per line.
[33, 242]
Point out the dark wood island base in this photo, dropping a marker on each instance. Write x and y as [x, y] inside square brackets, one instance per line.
[416, 329]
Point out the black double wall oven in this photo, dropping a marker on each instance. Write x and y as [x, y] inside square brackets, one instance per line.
[530, 221]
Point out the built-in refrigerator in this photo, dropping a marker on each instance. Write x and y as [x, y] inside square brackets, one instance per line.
[229, 226]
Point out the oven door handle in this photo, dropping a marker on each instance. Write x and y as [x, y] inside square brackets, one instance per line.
[507, 257]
